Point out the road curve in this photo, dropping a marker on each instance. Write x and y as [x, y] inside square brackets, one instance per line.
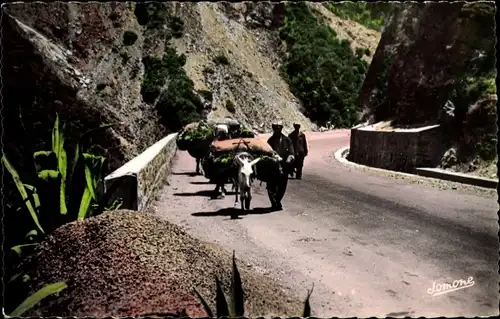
[372, 245]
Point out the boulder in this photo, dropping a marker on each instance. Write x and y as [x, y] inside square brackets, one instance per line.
[126, 263]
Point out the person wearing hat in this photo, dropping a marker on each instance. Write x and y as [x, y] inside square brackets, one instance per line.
[282, 145]
[234, 130]
[301, 150]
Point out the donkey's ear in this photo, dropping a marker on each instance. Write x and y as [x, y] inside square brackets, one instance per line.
[239, 160]
[255, 161]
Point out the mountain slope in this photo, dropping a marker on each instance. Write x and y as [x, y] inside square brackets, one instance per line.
[250, 80]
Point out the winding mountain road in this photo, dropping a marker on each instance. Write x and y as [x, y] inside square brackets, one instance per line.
[372, 245]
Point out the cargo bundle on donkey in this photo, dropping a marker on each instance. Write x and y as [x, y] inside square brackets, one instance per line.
[196, 138]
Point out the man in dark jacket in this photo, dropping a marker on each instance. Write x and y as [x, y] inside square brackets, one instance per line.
[234, 130]
[301, 150]
[282, 145]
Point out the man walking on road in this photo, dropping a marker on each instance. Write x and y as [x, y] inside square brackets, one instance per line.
[301, 150]
[282, 145]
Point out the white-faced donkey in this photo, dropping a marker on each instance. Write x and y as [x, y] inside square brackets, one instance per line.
[244, 179]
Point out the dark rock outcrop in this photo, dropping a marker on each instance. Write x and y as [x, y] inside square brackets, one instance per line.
[479, 131]
[424, 49]
[69, 58]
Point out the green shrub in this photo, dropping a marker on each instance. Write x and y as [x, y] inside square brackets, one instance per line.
[208, 70]
[322, 71]
[141, 13]
[129, 38]
[230, 106]
[370, 14]
[125, 57]
[177, 26]
[207, 95]
[360, 52]
[113, 16]
[100, 86]
[151, 14]
[221, 59]
[155, 75]
[179, 105]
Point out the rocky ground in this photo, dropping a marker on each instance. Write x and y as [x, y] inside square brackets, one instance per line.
[126, 263]
[250, 81]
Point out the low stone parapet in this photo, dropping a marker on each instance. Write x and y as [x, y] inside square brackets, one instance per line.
[138, 181]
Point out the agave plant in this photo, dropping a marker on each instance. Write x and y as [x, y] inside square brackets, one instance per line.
[237, 303]
[72, 193]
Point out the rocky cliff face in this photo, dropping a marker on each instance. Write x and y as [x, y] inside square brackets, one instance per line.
[73, 59]
[423, 51]
[398, 31]
[426, 52]
[246, 34]
[70, 58]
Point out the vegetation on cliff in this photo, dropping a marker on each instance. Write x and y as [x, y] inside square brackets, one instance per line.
[179, 104]
[370, 14]
[475, 119]
[165, 83]
[322, 70]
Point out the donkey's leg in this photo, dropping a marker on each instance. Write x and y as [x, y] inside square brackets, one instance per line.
[248, 199]
[242, 199]
[198, 160]
[236, 194]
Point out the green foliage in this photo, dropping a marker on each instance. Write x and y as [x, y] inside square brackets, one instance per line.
[487, 149]
[177, 26]
[230, 106]
[369, 14]
[153, 15]
[37, 297]
[178, 105]
[64, 189]
[56, 180]
[322, 71]
[100, 86]
[208, 70]
[479, 79]
[202, 131]
[236, 308]
[129, 38]
[207, 95]
[360, 52]
[221, 59]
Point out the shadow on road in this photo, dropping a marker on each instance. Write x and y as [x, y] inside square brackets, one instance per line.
[206, 193]
[234, 212]
[190, 174]
[201, 183]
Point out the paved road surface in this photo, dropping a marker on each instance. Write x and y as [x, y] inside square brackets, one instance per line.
[372, 245]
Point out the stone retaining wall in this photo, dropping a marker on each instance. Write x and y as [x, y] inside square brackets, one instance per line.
[138, 181]
[398, 150]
